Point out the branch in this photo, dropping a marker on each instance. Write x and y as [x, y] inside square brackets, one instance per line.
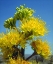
[35, 53]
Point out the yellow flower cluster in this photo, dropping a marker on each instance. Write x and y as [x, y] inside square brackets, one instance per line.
[18, 61]
[41, 48]
[36, 25]
[9, 39]
[12, 38]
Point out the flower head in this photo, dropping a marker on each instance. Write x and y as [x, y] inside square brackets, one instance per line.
[36, 25]
[41, 48]
[19, 61]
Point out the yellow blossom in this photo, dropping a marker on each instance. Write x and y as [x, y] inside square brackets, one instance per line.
[41, 48]
[18, 61]
[11, 38]
[7, 41]
[36, 25]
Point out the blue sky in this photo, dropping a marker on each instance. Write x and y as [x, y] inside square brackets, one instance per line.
[43, 8]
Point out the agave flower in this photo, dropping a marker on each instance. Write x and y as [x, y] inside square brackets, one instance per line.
[18, 61]
[23, 12]
[36, 25]
[42, 48]
[10, 22]
[11, 38]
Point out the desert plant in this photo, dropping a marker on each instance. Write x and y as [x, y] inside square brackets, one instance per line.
[14, 41]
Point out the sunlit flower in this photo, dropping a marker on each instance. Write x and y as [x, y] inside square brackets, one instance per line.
[41, 48]
[18, 61]
[11, 38]
[7, 41]
[36, 25]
